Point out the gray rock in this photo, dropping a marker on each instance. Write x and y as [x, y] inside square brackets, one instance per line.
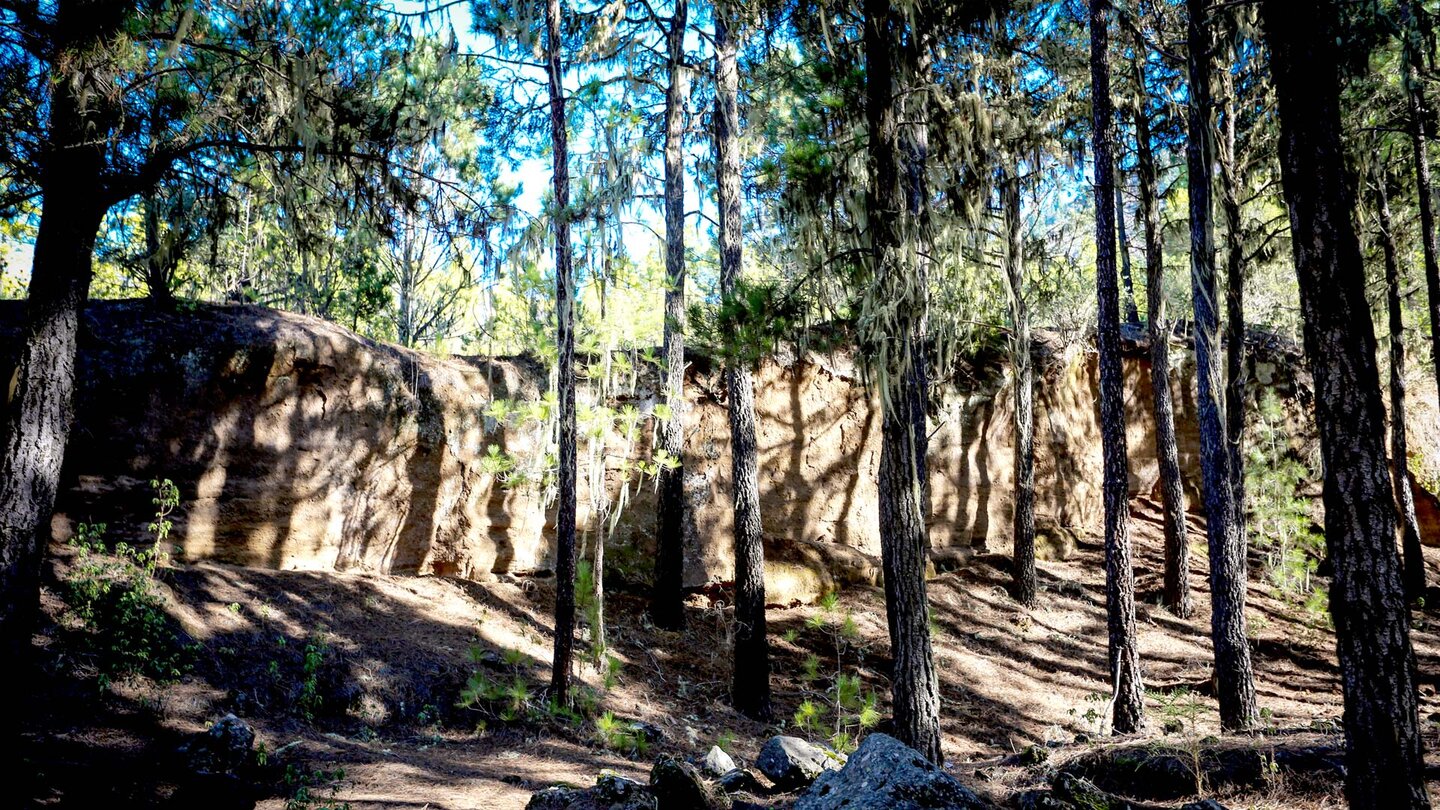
[740, 780]
[886, 774]
[791, 762]
[1204, 804]
[622, 793]
[559, 798]
[611, 792]
[677, 785]
[221, 749]
[717, 762]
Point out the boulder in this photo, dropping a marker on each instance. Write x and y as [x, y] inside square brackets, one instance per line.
[559, 798]
[886, 774]
[611, 792]
[678, 785]
[740, 780]
[222, 749]
[791, 762]
[618, 792]
[717, 762]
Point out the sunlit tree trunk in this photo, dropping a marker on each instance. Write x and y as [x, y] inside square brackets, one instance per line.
[1235, 680]
[1414, 559]
[1176, 593]
[565, 372]
[667, 608]
[1024, 414]
[1384, 763]
[750, 688]
[915, 685]
[1128, 710]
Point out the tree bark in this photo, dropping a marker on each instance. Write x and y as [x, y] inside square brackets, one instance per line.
[40, 388]
[1413, 574]
[565, 371]
[1176, 596]
[1235, 680]
[915, 142]
[1384, 764]
[1128, 706]
[750, 688]
[1024, 414]
[1235, 369]
[667, 608]
[903, 541]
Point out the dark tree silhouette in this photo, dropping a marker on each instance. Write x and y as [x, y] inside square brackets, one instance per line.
[565, 372]
[750, 687]
[1384, 764]
[904, 544]
[1024, 414]
[1176, 593]
[1235, 680]
[1414, 559]
[1119, 573]
[668, 606]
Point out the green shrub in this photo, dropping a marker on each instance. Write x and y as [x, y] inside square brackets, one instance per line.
[114, 596]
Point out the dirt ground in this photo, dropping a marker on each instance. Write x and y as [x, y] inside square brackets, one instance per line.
[387, 658]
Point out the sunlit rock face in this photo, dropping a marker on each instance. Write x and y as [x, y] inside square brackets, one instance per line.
[297, 444]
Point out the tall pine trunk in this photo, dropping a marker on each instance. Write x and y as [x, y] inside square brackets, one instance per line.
[667, 608]
[1235, 370]
[1235, 680]
[750, 687]
[1424, 192]
[1414, 561]
[915, 142]
[39, 407]
[1384, 764]
[1124, 658]
[565, 371]
[1176, 594]
[892, 348]
[1024, 415]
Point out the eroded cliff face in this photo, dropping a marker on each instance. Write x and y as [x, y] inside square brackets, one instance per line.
[297, 444]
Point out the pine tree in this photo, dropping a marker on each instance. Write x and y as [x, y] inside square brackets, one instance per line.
[1176, 594]
[1235, 679]
[560, 664]
[1384, 763]
[892, 347]
[750, 686]
[1414, 558]
[668, 606]
[1128, 711]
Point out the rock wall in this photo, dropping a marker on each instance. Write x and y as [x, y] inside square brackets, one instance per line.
[297, 444]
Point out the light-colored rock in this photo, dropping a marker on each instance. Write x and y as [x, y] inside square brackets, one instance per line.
[717, 763]
[791, 762]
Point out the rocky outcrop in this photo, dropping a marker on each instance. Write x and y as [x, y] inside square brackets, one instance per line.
[297, 444]
[886, 774]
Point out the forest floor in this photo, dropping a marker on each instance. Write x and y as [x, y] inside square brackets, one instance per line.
[351, 681]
